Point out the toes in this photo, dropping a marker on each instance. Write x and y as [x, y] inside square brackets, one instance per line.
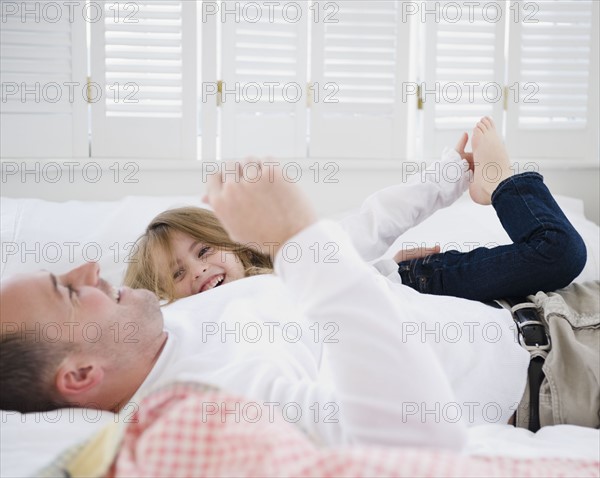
[478, 134]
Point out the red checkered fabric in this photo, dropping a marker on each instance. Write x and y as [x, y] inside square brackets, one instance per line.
[187, 431]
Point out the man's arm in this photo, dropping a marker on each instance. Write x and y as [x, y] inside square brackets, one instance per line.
[387, 214]
[389, 390]
[378, 378]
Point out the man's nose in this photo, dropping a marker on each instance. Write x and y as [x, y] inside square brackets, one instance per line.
[86, 274]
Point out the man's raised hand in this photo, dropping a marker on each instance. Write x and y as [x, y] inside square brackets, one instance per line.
[256, 204]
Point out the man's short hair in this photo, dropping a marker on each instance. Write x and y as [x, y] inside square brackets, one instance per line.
[27, 373]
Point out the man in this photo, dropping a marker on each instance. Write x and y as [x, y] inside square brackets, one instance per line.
[72, 340]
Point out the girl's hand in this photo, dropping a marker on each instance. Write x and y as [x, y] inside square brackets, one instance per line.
[460, 149]
[415, 253]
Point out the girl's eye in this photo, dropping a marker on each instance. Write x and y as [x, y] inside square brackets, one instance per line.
[203, 251]
[178, 274]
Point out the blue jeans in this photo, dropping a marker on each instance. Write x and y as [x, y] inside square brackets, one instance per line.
[547, 252]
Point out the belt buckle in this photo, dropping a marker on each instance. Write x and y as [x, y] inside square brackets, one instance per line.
[535, 347]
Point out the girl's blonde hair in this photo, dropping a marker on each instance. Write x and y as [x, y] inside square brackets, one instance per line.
[150, 264]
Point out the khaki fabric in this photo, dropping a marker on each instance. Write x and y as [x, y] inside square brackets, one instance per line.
[570, 391]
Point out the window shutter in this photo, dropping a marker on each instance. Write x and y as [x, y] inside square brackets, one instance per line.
[359, 63]
[463, 69]
[43, 76]
[143, 59]
[263, 64]
[553, 97]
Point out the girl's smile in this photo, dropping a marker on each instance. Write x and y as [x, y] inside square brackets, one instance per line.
[198, 267]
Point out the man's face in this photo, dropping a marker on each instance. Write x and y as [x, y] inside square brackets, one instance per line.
[79, 307]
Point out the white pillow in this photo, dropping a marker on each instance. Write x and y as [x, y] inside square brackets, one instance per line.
[29, 444]
[56, 236]
[38, 234]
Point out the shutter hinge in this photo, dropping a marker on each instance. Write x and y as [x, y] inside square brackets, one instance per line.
[88, 89]
[505, 102]
[419, 98]
[219, 92]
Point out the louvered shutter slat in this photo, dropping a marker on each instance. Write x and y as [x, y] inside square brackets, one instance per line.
[143, 40]
[36, 24]
[148, 27]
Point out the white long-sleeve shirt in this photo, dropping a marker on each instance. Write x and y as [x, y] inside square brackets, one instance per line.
[363, 359]
[389, 213]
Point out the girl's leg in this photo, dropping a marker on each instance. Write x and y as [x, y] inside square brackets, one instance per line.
[547, 253]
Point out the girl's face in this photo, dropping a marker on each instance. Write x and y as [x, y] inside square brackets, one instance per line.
[199, 267]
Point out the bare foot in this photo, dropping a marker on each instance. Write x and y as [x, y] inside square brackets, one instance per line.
[460, 149]
[492, 165]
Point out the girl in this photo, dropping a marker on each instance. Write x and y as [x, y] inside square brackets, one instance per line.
[186, 251]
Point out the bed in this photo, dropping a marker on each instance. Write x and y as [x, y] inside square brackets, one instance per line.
[39, 234]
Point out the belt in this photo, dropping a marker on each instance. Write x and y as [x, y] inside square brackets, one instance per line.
[534, 337]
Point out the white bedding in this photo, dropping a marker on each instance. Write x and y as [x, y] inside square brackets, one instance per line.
[38, 235]
[31, 442]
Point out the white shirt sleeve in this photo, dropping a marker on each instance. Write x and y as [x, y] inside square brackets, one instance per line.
[379, 379]
[387, 214]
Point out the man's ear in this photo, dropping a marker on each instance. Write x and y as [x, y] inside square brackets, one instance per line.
[74, 379]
